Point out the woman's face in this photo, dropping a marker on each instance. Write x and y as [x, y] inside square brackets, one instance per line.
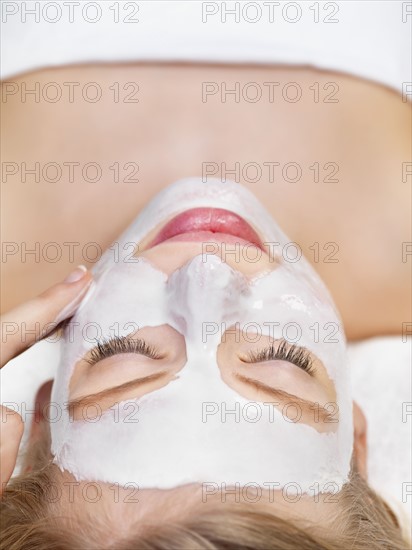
[207, 351]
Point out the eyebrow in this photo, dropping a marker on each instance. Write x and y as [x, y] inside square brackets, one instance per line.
[324, 414]
[310, 406]
[92, 398]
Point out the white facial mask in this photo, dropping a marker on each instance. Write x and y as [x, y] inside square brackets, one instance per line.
[176, 434]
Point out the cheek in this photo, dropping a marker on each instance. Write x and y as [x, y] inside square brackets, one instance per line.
[300, 320]
[129, 298]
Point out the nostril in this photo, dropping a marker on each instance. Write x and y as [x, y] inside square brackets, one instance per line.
[204, 291]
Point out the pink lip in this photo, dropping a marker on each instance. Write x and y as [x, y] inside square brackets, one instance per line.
[200, 224]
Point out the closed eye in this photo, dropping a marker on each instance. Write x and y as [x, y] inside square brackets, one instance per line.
[284, 351]
[121, 344]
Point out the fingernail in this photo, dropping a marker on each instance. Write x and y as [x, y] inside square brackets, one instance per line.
[76, 275]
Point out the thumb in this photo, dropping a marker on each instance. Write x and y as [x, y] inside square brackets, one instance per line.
[11, 432]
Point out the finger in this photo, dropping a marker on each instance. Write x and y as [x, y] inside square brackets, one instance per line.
[33, 320]
[11, 432]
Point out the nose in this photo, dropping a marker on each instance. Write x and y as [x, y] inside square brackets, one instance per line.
[205, 291]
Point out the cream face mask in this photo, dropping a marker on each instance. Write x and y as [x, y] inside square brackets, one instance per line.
[217, 326]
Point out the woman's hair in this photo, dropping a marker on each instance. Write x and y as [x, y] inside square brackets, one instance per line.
[30, 521]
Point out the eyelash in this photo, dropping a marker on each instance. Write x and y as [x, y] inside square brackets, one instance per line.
[120, 344]
[286, 352]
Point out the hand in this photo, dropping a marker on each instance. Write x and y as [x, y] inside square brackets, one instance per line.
[20, 329]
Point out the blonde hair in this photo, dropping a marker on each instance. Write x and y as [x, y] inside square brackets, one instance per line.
[29, 521]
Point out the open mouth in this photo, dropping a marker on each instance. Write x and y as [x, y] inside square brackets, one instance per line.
[203, 224]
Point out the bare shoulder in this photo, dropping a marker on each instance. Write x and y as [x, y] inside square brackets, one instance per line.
[356, 227]
[349, 208]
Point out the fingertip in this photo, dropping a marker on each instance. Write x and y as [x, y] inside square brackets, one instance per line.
[11, 419]
[76, 275]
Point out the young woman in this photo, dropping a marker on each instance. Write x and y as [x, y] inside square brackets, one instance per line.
[193, 331]
[202, 321]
